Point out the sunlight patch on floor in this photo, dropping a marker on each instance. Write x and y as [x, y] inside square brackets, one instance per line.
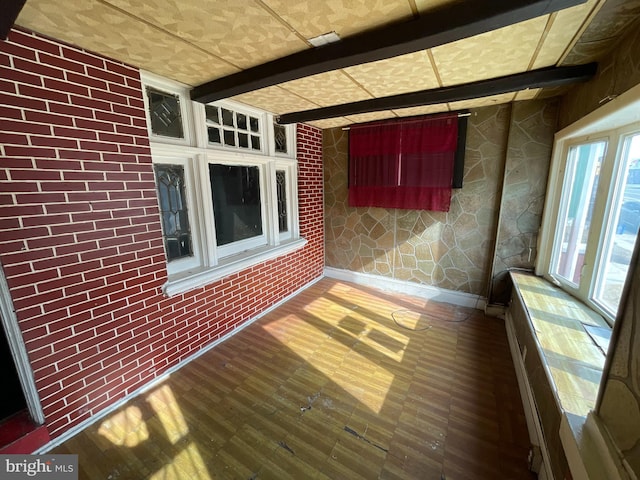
[334, 331]
[125, 428]
[188, 463]
[168, 412]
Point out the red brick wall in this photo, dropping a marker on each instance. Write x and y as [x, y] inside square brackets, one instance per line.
[80, 238]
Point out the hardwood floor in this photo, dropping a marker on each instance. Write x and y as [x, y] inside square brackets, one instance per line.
[341, 382]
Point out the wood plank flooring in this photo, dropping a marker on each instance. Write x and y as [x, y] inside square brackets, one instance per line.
[341, 382]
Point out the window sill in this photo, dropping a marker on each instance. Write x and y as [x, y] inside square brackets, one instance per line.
[572, 341]
[191, 279]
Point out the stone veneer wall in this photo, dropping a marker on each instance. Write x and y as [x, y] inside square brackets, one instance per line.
[619, 406]
[525, 184]
[618, 71]
[451, 250]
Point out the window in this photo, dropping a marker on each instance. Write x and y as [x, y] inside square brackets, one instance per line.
[592, 210]
[170, 180]
[232, 129]
[227, 193]
[236, 193]
[165, 113]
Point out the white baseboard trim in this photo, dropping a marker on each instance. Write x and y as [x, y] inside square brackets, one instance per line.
[409, 288]
[156, 381]
[497, 311]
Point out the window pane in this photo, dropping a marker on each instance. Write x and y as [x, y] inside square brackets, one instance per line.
[622, 230]
[255, 142]
[164, 110]
[173, 210]
[253, 122]
[229, 137]
[227, 117]
[242, 121]
[576, 208]
[212, 114]
[281, 186]
[214, 135]
[235, 191]
[280, 137]
[243, 140]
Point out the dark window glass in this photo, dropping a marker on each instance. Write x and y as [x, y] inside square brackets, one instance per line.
[255, 142]
[229, 138]
[227, 117]
[212, 114]
[164, 110]
[235, 191]
[253, 124]
[280, 138]
[243, 140]
[242, 121]
[281, 186]
[173, 210]
[214, 135]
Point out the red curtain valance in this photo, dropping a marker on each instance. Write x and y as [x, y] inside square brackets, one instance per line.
[403, 164]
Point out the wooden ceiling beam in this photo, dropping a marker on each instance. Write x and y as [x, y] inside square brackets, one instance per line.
[452, 22]
[10, 10]
[542, 78]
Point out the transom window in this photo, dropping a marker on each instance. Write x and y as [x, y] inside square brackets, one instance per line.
[232, 129]
[592, 210]
[227, 190]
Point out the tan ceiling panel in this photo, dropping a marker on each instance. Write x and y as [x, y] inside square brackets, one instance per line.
[483, 102]
[425, 6]
[331, 122]
[371, 116]
[407, 73]
[329, 88]
[346, 17]
[424, 110]
[493, 54]
[102, 29]
[275, 100]
[527, 94]
[566, 24]
[241, 31]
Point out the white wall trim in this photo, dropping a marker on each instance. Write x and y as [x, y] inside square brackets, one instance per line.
[156, 381]
[409, 288]
[590, 454]
[536, 434]
[9, 321]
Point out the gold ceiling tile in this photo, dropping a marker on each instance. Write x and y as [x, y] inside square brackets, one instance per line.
[425, 6]
[422, 110]
[406, 73]
[483, 102]
[312, 18]
[493, 54]
[275, 100]
[97, 27]
[371, 116]
[329, 88]
[560, 36]
[330, 122]
[241, 32]
[527, 94]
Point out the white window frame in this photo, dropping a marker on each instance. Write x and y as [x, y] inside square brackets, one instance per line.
[171, 157]
[210, 262]
[612, 122]
[291, 189]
